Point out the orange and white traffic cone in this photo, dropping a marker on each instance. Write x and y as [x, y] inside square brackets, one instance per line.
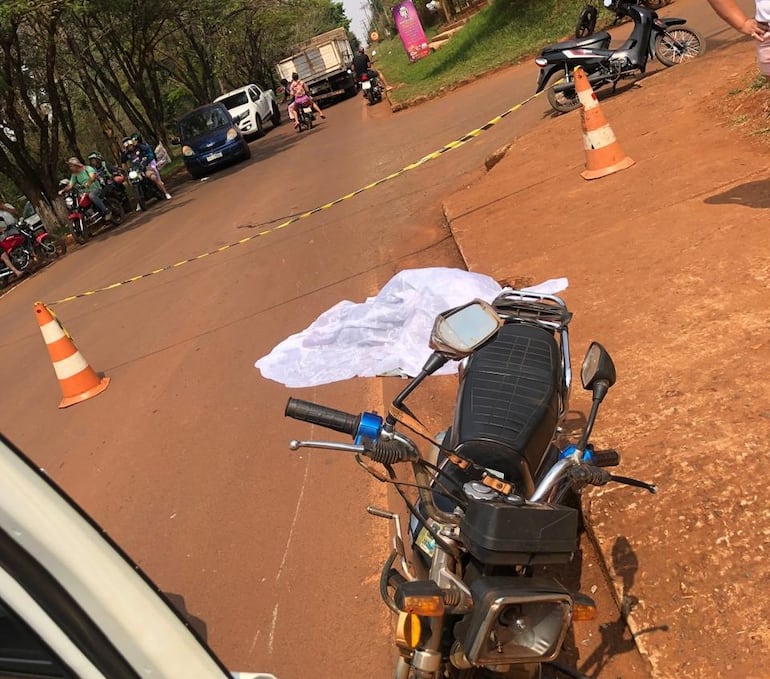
[603, 153]
[77, 379]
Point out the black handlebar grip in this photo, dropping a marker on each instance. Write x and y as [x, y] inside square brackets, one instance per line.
[323, 416]
[605, 458]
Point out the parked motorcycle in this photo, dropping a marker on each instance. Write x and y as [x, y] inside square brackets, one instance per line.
[664, 38]
[144, 188]
[497, 496]
[305, 114]
[28, 249]
[83, 215]
[370, 85]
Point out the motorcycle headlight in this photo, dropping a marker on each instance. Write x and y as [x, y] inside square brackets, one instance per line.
[232, 133]
[515, 621]
[133, 175]
[187, 151]
[69, 202]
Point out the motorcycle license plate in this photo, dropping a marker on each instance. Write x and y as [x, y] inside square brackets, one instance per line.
[366, 85]
[213, 156]
[307, 109]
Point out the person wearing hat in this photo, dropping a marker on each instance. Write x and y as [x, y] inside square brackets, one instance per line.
[85, 178]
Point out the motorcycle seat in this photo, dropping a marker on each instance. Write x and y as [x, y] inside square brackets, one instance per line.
[592, 40]
[508, 402]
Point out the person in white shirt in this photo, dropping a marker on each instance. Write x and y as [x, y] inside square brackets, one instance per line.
[757, 27]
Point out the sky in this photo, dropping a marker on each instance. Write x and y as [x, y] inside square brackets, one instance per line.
[354, 10]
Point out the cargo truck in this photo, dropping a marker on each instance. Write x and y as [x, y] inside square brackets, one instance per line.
[323, 64]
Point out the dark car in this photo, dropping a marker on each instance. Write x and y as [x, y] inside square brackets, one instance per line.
[210, 138]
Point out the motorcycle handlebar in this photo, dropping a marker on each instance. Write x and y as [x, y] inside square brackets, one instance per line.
[605, 458]
[323, 416]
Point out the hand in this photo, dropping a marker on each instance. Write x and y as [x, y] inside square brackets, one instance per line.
[755, 29]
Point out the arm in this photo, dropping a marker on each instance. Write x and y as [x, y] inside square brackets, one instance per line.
[733, 15]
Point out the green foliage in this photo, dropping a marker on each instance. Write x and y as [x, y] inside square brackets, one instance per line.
[501, 33]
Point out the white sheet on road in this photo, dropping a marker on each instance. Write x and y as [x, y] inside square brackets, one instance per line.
[385, 335]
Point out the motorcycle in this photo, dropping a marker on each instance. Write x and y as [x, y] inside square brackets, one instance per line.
[144, 188]
[665, 39]
[370, 84]
[303, 109]
[83, 215]
[115, 191]
[28, 249]
[497, 497]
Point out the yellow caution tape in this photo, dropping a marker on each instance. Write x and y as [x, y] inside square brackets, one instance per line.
[304, 215]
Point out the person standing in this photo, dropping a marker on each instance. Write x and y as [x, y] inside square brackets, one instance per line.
[757, 27]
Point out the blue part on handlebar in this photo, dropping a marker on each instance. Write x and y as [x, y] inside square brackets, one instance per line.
[570, 450]
[369, 428]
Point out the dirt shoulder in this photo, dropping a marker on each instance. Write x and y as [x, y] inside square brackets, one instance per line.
[668, 268]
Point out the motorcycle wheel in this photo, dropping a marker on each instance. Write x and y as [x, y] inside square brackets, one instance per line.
[48, 248]
[80, 232]
[563, 102]
[678, 45]
[275, 118]
[586, 23]
[141, 201]
[117, 211]
[21, 258]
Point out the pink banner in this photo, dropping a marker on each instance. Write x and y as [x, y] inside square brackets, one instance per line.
[410, 29]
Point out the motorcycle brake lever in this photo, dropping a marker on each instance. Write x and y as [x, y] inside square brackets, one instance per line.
[625, 480]
[326, 445]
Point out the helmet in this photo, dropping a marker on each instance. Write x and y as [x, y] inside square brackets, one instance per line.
[95, 155]
[136, 137]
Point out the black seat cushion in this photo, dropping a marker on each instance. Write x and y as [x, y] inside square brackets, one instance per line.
[508, 404]
[592, 40]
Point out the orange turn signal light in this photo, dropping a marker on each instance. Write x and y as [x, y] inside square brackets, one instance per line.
[420, 597]
[583, 607]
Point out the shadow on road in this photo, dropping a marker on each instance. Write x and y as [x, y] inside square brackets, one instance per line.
[616, 638]
[754, 194]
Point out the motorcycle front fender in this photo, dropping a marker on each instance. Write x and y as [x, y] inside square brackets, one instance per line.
[545, 75]
[74, 216]
[41, 237]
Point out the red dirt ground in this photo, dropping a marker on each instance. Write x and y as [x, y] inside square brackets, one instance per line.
[668, 267]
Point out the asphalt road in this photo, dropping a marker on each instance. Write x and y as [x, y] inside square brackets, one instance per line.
[184, 459]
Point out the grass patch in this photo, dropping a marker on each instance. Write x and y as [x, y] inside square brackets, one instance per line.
[501, 33]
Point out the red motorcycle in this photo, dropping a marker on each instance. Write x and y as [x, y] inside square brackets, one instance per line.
[83, 215]
[26, 249]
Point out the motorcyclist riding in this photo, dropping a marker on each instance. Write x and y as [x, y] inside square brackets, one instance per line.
[135, 149]
[86, 178]
[7, 219]
[107, 175]
[301, 95]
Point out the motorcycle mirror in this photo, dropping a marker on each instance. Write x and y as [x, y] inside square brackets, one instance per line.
[597, 367]
[457, 332]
